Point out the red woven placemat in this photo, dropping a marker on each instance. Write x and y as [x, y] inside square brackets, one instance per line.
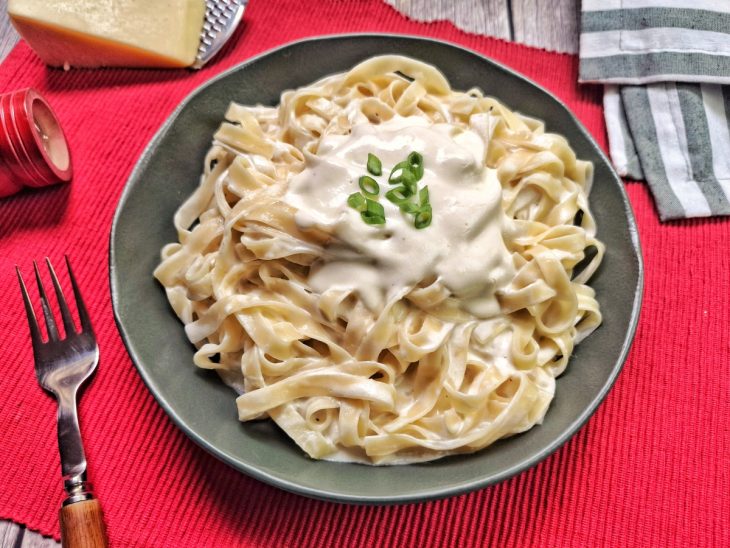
[651, 468]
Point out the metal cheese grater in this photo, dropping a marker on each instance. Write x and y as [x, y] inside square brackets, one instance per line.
[221, 19]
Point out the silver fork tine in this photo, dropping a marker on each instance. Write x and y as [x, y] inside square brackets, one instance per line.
[80, 306]
[47, 314]
[68, 323]
[35, 332]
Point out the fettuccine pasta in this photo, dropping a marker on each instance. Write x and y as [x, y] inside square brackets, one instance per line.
[409, 328]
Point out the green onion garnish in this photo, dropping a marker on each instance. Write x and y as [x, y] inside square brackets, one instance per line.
[409, 207]
[372, 219]
[375, 208]
[415, 161]
[423, 218]
[374, 213]
[374, 165]
[411, 185]
[423, 196]
[401, 173]
[406, 174]
[399, 194]
[369, 187]
[357, 201]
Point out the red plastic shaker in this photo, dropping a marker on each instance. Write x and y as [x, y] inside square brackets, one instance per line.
[33, 149]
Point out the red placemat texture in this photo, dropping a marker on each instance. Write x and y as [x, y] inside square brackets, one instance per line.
[651, 468]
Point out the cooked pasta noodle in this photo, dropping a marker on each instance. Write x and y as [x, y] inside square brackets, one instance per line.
[441, 346]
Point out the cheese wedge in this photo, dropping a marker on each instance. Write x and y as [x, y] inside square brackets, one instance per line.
[111, 33]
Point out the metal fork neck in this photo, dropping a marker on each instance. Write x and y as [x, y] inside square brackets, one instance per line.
[77, 489]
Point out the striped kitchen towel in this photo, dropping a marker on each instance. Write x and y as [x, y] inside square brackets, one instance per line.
[667, 98]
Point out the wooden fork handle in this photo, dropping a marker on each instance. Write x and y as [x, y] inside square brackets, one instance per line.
[82, 525]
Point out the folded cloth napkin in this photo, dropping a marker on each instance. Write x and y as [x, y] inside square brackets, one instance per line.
[667, 98]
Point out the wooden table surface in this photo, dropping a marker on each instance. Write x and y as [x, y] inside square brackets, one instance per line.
[549, 24]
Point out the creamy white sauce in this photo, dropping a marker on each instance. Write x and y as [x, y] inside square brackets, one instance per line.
[463, 247]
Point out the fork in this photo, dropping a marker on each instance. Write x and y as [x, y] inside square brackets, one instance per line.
[61, 366]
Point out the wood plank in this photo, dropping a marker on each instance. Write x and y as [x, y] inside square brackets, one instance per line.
[13, 535]
[31, 539]
[548, 24]
[490, 17]
[8, 36]
[10, 533]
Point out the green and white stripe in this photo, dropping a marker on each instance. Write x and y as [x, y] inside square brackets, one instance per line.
[682, 139]
[621, 145]
[646, 41]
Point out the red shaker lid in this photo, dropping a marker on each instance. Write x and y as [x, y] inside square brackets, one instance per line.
[33, 149]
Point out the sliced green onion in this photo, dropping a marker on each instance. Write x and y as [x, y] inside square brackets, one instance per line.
[415, 161]
[357, 201]
[409, 207]
[369, 186]
[412, 186]
[400, 165]
[372, 219]
[401, 173]
[423, 218]
[374, 213]
[374, 165]
[375, 207]
[423, 196]
[399, 194]
[406, 174]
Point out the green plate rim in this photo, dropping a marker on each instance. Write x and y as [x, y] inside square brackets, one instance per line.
[427, 494]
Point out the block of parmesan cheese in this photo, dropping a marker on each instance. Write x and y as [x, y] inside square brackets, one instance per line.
[111, 33]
